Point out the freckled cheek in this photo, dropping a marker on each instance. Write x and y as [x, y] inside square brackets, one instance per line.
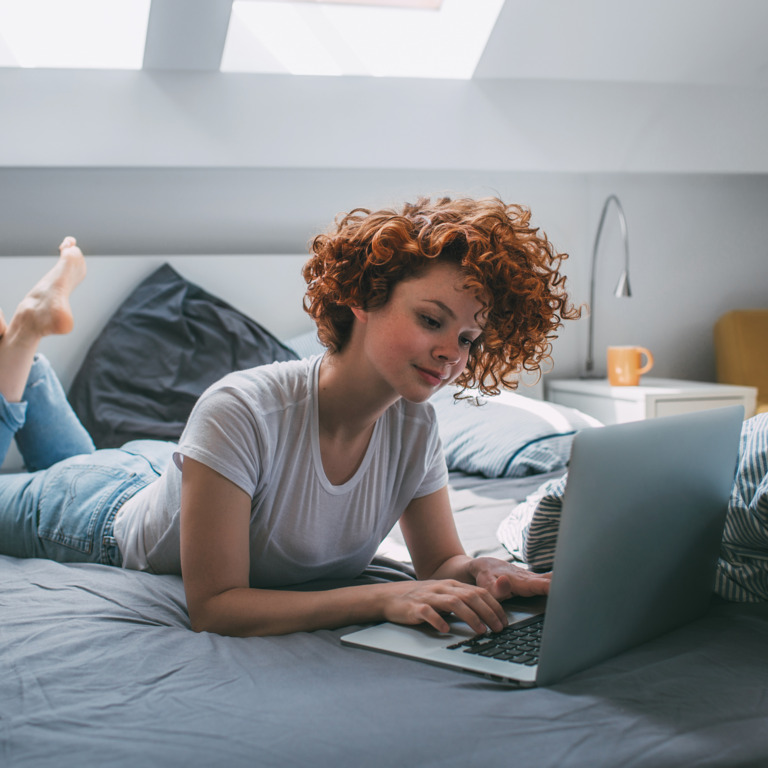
[399, 345]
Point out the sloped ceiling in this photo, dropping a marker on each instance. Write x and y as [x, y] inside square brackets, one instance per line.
[672, 42]
[675, 86]
[564, 86]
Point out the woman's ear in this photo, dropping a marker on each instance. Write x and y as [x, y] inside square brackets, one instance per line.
[360, 314]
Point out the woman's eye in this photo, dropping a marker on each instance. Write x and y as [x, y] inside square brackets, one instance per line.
[465, 342]
[430, 322]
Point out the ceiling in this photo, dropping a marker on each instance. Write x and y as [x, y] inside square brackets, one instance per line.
[689, 42]
[680, 42]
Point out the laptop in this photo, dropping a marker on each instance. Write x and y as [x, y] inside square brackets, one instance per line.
[642, 520]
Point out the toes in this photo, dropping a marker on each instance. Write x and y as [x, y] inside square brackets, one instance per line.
[67, 242]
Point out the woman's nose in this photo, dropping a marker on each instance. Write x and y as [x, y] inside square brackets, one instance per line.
[448, 352]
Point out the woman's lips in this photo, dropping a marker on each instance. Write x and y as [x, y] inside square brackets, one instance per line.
[434, 378]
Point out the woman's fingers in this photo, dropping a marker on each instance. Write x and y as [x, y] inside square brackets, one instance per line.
[428, 615]
[482, 604]
[429, 601]
[504, 580]
[530, 584]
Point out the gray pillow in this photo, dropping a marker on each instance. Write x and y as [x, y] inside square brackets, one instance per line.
[306, 344]
[165, 344]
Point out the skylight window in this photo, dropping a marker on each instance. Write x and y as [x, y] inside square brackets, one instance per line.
[346, 38]
[89, 34]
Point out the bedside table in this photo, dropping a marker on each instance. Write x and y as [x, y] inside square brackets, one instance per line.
[653, 398]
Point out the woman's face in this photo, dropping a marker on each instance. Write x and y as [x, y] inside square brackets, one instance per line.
[419, 341]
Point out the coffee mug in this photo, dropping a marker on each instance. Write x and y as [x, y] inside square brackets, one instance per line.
[625, 365]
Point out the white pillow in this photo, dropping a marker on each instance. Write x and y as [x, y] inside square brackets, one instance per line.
[508, 435]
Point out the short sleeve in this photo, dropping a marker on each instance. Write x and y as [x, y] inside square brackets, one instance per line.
[436, 474]
[224, 433]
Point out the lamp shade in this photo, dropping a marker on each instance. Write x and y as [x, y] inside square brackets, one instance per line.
[622, 287]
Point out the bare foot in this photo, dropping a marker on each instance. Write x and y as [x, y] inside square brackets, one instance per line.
[45, 310]
[3, 324]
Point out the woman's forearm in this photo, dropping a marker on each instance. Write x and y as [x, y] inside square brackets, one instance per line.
[457, 567]
[246, 612]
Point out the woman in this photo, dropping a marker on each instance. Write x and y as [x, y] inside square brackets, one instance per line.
[293, 472]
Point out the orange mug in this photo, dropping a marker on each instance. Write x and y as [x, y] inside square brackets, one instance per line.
[625, 365]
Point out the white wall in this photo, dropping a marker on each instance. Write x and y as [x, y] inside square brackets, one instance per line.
[697, 244]
[699, 247]
[180, 120]
[212, 164]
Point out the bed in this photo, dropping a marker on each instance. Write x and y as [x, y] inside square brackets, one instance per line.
[100, 666]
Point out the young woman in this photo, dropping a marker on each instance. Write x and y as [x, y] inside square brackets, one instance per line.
[294, 472]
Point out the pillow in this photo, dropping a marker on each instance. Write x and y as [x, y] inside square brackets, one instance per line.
[306, 344]
[508, 435]
[529, 532]
[165, 344]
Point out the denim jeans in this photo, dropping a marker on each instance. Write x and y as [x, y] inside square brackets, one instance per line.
[44, 425]
[65, 508]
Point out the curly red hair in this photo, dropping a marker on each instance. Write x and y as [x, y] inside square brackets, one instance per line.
[512, 267]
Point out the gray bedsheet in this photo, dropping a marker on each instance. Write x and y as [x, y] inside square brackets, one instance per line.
[100, 668]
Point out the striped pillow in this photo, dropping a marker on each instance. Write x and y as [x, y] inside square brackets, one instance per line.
[742, 571]
[530, 531]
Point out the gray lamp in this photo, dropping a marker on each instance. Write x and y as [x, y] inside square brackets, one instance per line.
[622, 287]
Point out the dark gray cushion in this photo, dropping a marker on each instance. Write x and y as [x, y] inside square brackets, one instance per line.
[165, 344]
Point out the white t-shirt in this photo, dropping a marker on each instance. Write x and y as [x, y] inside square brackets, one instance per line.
[259, 429]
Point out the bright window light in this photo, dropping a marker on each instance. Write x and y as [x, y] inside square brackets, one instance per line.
[103, 34]
[316, 38]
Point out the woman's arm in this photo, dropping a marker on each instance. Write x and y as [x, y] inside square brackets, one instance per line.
[436, 551]
[215, 561]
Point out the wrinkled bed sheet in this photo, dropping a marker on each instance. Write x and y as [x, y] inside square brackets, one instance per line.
[100, 668]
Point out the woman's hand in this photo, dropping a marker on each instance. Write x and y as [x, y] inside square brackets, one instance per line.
[428, 601]
[504, 580]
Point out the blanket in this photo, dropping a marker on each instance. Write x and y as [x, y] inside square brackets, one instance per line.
[100, 668]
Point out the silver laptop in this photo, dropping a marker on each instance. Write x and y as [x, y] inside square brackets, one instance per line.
[642, 519]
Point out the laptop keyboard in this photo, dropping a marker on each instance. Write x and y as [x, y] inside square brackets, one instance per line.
[518, 643]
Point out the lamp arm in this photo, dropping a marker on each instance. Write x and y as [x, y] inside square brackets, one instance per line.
[623, 223]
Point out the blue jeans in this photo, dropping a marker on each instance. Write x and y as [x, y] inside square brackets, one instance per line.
[44, 425]
[64, 508]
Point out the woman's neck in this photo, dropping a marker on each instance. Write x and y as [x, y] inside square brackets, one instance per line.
[347, 416]
[350, 398]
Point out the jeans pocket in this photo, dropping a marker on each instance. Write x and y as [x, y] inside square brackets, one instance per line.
[72, 501]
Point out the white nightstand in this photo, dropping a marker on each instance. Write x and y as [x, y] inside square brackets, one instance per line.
[654, 397]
